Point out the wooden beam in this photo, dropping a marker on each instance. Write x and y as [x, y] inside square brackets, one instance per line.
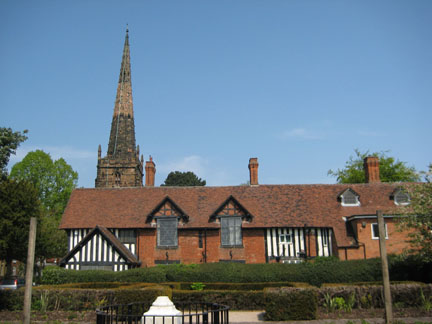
[29, 271]
[384, 265]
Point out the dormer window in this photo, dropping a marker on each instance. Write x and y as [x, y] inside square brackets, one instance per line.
[231, 215]
[401, 197]
[167, 217]
[349, 198]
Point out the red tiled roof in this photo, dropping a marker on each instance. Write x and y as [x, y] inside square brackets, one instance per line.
[269, 205]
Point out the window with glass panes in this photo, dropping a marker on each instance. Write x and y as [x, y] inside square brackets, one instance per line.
[401, 198]
[375, 231]
[167, 232]
[349, 198]
[127, 236]
[231, 231]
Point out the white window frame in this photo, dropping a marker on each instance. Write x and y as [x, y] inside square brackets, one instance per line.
[404, 203]
[324, 236]
[377, 237]
[283, 238]
[357, 203]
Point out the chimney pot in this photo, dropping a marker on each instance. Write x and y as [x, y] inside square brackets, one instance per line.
[371, 167]
[150, 171]
[253, 171]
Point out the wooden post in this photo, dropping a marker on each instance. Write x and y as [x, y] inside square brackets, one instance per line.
[384, 265]
[29, 271]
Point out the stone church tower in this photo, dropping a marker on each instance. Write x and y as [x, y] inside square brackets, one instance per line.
[121, 167]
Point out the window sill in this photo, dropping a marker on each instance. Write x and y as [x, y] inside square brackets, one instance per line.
[167, 247]
[232, 246]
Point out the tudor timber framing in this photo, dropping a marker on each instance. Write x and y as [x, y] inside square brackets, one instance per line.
[100, 248]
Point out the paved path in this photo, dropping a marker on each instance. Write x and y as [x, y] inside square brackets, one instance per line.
[256, 317]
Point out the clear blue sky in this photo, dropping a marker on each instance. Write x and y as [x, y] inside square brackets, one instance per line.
[298, 84]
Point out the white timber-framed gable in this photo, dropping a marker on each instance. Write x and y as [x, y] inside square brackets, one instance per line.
[99, 249]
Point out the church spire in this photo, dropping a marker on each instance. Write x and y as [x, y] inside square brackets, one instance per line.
[121, 167]
[122, 136]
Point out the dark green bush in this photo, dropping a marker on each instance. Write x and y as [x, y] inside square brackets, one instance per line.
[370, 296]
[144, 295]
[235, 299]
[55, 275]
[102, 285]
[11, 299]
[242, 285]
[409, 267]
[290, 304]
[79, 299]
[315, 272]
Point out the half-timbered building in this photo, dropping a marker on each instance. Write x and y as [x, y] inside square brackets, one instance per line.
[122, 224]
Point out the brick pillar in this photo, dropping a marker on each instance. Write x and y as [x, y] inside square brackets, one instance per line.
[150, 171]
[253, 171]
[371, 167]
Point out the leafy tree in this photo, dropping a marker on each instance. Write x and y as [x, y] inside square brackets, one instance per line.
[427, 174]
[18, 203]
[51, 242]
[183, 179]
[54, 180]
[391, 170]
[419, 219]
[9, 142]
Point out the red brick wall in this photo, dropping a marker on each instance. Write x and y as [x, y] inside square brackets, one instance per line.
[253, 249]
[188, 250]
[369, 247]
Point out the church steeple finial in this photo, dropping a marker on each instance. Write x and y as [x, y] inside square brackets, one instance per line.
[122, 167]
[122, 136]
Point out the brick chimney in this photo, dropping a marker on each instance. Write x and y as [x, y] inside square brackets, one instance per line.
[253, 171]
[150, 171]
[371, 167]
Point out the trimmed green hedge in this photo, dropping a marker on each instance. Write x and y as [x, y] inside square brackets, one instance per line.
[239, 286]
[235, 299]
[53, 275]
[314, 273]
[79, 299]
[293, 304]
[317, 272]
[370, 296]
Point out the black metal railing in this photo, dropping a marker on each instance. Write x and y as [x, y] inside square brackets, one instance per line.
[201, 313]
